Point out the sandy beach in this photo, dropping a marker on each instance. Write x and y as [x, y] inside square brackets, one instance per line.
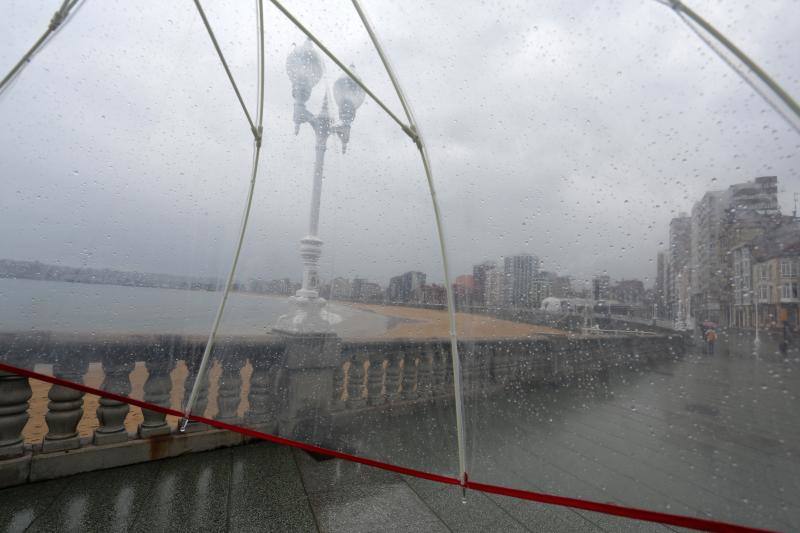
[432, 323]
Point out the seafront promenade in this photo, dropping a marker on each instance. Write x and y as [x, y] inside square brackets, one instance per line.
[264, 487]
[404, 323]
[680, 435]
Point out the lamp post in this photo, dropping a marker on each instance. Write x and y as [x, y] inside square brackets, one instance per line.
[305, 68]
[757, 340]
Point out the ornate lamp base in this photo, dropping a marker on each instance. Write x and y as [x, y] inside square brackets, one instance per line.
[309, 316]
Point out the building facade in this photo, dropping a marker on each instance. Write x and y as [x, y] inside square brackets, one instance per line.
[678, 268]
[721, 221]
[601, 288]
[520, 271]
[494, 293]
[463, 291]
[766, 279]
[480, 274]
[405, 288]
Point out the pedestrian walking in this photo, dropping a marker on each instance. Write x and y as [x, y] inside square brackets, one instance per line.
[711, 338]
[784, 345]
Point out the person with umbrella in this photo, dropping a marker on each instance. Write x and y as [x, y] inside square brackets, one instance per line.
[711, 338]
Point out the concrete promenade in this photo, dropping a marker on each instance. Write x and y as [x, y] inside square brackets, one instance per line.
[708, 436]
[264, 487]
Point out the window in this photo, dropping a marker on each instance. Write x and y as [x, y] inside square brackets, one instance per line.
[789, 291]
[786, 268]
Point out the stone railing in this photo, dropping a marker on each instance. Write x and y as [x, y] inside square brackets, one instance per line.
[575, 322]
[298, 387]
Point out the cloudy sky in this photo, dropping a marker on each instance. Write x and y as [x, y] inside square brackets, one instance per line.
[571, 130]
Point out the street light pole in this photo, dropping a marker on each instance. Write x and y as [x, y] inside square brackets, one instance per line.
[757, 340]
[304, 67]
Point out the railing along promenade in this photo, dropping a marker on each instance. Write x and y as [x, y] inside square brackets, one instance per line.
[298, 387]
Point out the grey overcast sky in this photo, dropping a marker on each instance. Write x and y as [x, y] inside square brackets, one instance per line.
[573, 130]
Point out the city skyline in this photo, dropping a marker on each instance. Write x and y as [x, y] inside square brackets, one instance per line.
[749, 208]
[719, 256]
[578, 153]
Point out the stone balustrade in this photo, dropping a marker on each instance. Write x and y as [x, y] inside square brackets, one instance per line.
[298, 387]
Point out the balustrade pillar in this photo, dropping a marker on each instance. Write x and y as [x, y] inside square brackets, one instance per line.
[355, 383]
[410, 374]
[447, 363]
[439, 369]
[425, 372]
[261, 392]
[201, 402]
[337, 403]
[515, 357]
[479, 375]
[15, 391]
[393, 376]
[500, 363]
[65, 408]
[111, 413]
[230, 388]
[157, 391]
[375, 377]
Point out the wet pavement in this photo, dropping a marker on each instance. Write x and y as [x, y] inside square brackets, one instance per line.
[265, 487]
[708, 436]
[715, 437]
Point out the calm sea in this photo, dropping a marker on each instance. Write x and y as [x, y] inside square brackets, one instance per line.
[28, 305]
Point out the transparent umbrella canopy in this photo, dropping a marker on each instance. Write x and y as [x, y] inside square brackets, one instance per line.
[579, 287]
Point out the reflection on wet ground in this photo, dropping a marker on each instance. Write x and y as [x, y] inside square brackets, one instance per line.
[263, 487]
[710, 436]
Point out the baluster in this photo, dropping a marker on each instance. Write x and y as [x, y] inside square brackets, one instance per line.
[230, 388]
[425, 379]
[480, 374]
[447, 360]
[514, 358]
[15, 391]
[65, 408]
[260, 395]
[375, 377]
[439, 369]
[355, 384]
[157, 390]
[337, 403]
[111, 414]
[500, 365]
[201, 401]
[518, 352]
[393, 376]
[410, 374]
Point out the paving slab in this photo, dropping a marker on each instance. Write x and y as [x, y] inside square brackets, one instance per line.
[20, 506]
[99, 501]
[267, 492]
[476, 513]
[190, 493]
[382, 507]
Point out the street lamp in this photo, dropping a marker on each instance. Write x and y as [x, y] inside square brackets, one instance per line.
[756, 340]
[305, 68]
